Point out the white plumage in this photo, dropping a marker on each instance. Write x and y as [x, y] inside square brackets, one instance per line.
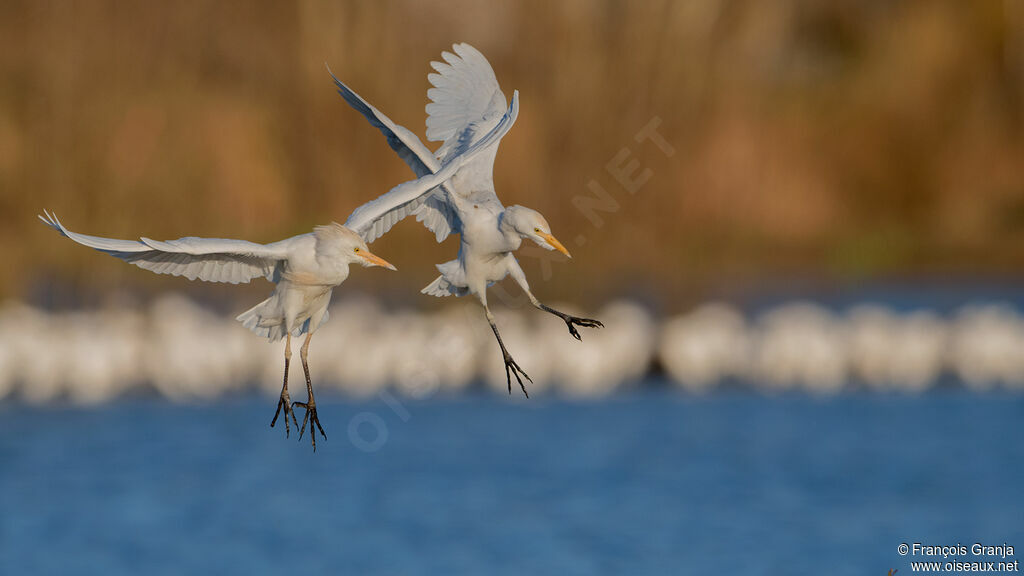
[466, 111]
[376, 217]
[209, 259]
[305, 268]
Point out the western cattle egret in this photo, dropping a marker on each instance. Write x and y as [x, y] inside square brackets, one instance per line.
[466, 102]
[305, 268]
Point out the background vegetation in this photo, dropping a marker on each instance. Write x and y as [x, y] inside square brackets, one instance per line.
[841, 142]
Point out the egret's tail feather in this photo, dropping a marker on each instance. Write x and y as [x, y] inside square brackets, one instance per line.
[263, 320]
[440, 288]
[451, 282]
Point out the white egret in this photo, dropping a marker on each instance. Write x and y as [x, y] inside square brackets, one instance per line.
[305, 268]
[466, 102]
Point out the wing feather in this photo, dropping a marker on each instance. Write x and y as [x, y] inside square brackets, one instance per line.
[465, 91]
[209, 259]
[438, 215]
[432, 212]
[466, 103]
[376, 217]
[401, 139]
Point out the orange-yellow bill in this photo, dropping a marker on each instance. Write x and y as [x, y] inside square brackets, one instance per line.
[555, 243]
[376, 260]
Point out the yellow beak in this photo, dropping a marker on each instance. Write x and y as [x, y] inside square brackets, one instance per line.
[375, 260]
[554, 243]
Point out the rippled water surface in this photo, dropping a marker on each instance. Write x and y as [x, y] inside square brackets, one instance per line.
[650, 482]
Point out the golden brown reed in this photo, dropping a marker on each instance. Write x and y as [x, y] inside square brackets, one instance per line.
[845, 140]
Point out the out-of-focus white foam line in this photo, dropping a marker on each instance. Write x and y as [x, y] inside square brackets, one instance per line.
[799, 344]
[700, 348]
[986, 344]
[605, 358]
[899, 352]
[185, 351]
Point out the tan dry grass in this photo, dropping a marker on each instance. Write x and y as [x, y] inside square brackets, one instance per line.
[849, 140]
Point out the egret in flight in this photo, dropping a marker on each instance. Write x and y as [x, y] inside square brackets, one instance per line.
[466, 102]
[305, 269]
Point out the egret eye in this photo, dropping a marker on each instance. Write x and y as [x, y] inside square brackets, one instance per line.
[536, 229]
[355, 250]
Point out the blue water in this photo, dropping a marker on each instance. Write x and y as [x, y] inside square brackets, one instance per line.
[653, 482]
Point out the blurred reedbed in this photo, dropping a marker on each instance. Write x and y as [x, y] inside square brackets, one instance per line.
[846, 140]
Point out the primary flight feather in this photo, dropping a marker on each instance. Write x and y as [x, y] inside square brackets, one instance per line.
[465, 111]
[305, 268]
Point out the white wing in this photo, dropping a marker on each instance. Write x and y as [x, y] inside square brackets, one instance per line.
[401, 140]
[465, 91]
[210, 259]
[373, 219]
[434, 211]
[466, 103]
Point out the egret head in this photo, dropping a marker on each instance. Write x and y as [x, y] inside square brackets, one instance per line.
[337, 241]
[528, 223]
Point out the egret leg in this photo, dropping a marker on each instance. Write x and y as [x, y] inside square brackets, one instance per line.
[285, 401]
[309, 405]
[511, 367]
[571, 321]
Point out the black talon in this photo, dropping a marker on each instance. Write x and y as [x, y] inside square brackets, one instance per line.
[309, 405]
[582, 322]
[312, 418]
[285, 402]
[511, 367]
[572, 321]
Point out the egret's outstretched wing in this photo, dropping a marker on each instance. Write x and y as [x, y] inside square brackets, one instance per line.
[434, 212]
[401, 139]
[466, 103]
[465, 92]
[210, 259]
[373, 219]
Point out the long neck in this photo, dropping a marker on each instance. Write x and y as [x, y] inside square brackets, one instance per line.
[505, 225]
[331, 270]
[512, 236]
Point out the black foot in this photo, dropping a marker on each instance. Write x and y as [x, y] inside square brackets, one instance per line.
[312, 419]
[286, 403]
[583, 322]
[573, 321]
[512, 368]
